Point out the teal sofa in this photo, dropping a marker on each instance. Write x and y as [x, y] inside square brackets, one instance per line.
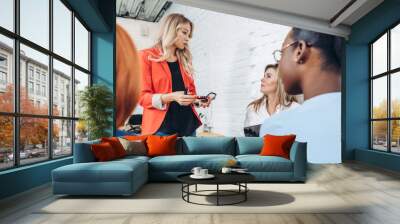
[125, 176]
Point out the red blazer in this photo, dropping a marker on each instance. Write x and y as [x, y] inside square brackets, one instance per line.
[156, 78]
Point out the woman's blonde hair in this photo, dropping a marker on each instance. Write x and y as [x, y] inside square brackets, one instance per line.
[167, 38]
[283, 98]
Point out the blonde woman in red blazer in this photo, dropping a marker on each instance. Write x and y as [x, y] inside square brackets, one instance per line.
[168, 89]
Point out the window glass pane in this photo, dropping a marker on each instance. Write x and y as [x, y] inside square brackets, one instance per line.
[395, 136]
[34, 72]
[395, 47]
[379, 135]
[62, 89]
[81, 131]
[7, 14]
[379, 97]
[379, 55]
[62, 138]
[33, 139]
[395, 94]
[6, 142]
[81, 45]
[62, 29]
[81, 81]
[35, 21]
[6, 74]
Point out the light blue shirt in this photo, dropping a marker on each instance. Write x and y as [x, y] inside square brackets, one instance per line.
[317, 121]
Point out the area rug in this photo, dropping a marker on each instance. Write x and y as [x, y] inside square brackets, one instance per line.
[167, 198]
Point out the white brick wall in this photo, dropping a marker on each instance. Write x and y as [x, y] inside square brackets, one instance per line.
[229, 56]
[136, 27]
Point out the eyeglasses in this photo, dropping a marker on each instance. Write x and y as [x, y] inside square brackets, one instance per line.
[278, 53]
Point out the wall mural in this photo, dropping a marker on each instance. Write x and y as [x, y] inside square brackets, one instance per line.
[298, 89]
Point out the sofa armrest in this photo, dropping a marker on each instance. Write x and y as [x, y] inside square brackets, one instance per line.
[298, 155]
[83, 152]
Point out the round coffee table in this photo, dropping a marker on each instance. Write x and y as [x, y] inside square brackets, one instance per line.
[238, 179]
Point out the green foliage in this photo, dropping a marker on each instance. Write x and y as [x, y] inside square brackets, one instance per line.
[96, 102]
[380, 127]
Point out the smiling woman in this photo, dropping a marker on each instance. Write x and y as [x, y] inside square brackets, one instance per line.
[273, 100]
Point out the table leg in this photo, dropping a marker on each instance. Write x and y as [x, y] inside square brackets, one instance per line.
[188, 190]
[217, 194]
[245, 193]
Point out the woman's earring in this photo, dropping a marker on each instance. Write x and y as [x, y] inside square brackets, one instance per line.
[300, 61]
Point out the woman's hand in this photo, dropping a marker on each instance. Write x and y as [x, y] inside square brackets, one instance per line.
[185, 100]
[205, 104]
[179, 97]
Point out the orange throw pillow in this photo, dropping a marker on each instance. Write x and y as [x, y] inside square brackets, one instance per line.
[161, 145]
[136, 137]
[103, 152]
[277, 145]
[116, 145]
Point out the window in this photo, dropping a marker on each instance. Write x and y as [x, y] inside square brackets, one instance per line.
[30, 72]
[3, 78]
[6, 73]
[62, 29]
[81, 45]
[3, 72]
[7, 14]
[41, 83]
[34, 21]
[30, 87]
[62, 137]
[38, 89]
[62, 75]
[385, 91]
[3, 61]
[37, 74]
[7, 142]
[44, 91]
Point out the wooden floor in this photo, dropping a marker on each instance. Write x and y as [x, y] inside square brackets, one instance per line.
[377, 188]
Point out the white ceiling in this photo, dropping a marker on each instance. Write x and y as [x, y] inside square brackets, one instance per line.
[321, 9]
[314, 15]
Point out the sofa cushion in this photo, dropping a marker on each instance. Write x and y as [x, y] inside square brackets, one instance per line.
[135, 147]
[206, 145]
[111, 171]
[185, 163]
[116, 145]
[257, 163]
[103, 152]
[83, 152]
[275, 145]
[161, 145]
[249, 145]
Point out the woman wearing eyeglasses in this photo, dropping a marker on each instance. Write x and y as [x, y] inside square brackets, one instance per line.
[310, 64]
[168, 89]
[274, 100]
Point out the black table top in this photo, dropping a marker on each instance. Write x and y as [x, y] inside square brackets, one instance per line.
[220, 178]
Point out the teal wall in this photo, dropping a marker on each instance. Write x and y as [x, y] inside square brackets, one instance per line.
[99, 16]
[103, 51]
[24, 178]
[356, 83]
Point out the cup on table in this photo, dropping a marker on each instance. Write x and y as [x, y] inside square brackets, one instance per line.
[203, 172]
[196, 171]
[226, 170]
